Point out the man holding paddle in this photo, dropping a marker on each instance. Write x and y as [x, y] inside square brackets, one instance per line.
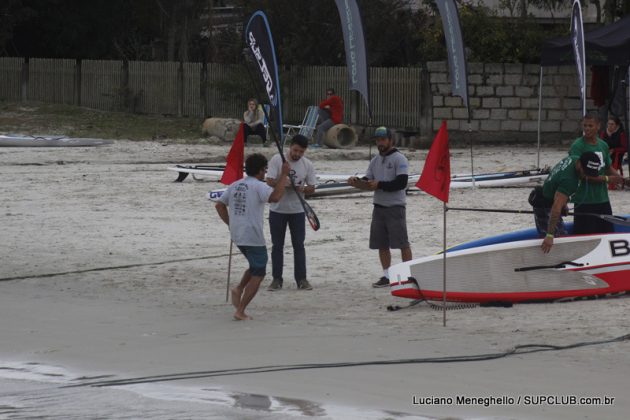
[241, 207]
[290, 212]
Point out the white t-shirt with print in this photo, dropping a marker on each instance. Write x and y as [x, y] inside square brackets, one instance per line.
[302, 172]
[246, 200]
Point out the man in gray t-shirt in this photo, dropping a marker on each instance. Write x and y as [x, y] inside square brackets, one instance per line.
[241, 207]
[387, 176]
[289, 212]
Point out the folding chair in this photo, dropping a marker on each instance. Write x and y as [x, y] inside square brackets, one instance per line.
[308, 124]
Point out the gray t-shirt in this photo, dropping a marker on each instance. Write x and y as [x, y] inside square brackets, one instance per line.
[387, 168]
[246, 204]
[303, 173]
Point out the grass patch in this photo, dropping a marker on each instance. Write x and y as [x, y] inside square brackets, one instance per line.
[73, 121]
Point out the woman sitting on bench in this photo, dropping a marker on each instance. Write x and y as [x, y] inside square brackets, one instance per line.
[254, 119]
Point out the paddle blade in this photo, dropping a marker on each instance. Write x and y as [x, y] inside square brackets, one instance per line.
[311, 216]
[616, 220]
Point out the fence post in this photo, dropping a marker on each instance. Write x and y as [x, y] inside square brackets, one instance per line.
[24, 81]
[77, 82]
[354, 101]
[124, 87]
[426, 103]
[180, 89]
[203, 91]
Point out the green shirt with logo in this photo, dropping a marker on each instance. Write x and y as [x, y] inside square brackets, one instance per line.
[591, 192]
[562, 178]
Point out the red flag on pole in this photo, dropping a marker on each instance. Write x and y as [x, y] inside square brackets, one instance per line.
[436, 175]
[235, 159]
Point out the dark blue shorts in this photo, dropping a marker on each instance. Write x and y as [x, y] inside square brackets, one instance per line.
[257, 259]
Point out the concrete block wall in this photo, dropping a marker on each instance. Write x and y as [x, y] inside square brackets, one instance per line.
[503, 100]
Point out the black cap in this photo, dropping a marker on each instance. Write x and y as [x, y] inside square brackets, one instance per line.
[590, 163]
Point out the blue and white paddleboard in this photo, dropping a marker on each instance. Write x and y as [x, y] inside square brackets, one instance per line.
[512, 268]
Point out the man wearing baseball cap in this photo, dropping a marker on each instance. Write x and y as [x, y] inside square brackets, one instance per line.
[387, 176]
[550, 200]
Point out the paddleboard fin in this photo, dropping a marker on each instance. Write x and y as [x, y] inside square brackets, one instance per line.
[181, 176]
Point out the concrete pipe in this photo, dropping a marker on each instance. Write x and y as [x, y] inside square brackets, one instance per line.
[340, 136]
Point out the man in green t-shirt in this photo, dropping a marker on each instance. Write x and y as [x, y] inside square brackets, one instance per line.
[592, 194]
[550, 201]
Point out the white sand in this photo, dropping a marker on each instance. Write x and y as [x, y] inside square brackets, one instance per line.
[66, 210]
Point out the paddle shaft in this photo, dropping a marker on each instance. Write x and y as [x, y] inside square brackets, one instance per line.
[618, 220]
[227, 291]
[308, 210]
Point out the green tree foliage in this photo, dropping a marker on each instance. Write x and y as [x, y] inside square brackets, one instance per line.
[309, 32]
[138, 29]
[83, 29]
[614, 9]
[490, 38]
[306, 32]
[12, 12]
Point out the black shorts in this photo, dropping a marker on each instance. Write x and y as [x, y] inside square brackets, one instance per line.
[592, 224]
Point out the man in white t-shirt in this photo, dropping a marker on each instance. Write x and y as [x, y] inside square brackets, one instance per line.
[241, 207]
[289, 212]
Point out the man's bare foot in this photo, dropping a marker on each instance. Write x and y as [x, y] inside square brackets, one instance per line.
[241, 316]
[236, 297]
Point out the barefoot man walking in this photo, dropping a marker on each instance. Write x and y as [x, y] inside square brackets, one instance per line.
[241, 207]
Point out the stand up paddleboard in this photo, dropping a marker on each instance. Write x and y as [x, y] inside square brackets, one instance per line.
[208, 172]
[215, 172]
[489, 180]
[500, 179]
[16, 140]
[513, 268]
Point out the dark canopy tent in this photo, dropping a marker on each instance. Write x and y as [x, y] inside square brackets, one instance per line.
[608, 46]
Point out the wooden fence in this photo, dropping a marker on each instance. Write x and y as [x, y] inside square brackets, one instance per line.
[398, 95]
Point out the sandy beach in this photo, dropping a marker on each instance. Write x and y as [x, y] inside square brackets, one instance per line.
[109, 270]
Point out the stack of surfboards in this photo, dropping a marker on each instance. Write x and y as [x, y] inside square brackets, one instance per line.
[336, 184]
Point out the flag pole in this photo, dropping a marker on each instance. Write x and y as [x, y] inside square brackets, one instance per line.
[444, 268]
[436, 180]
[472, 166]
[227, 291]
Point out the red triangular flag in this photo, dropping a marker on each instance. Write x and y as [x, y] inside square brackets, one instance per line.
[235, 159]
[436, 175]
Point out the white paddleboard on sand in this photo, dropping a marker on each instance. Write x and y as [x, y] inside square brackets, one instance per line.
[490, 180]
[215, 172]
[518, 271]
[18, 140]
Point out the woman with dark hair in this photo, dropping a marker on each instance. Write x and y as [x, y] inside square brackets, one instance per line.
[615, 137]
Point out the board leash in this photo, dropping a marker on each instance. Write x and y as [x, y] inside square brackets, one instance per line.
[435, 306]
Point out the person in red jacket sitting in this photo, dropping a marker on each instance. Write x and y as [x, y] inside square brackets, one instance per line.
[330, 114]
[615, 137]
